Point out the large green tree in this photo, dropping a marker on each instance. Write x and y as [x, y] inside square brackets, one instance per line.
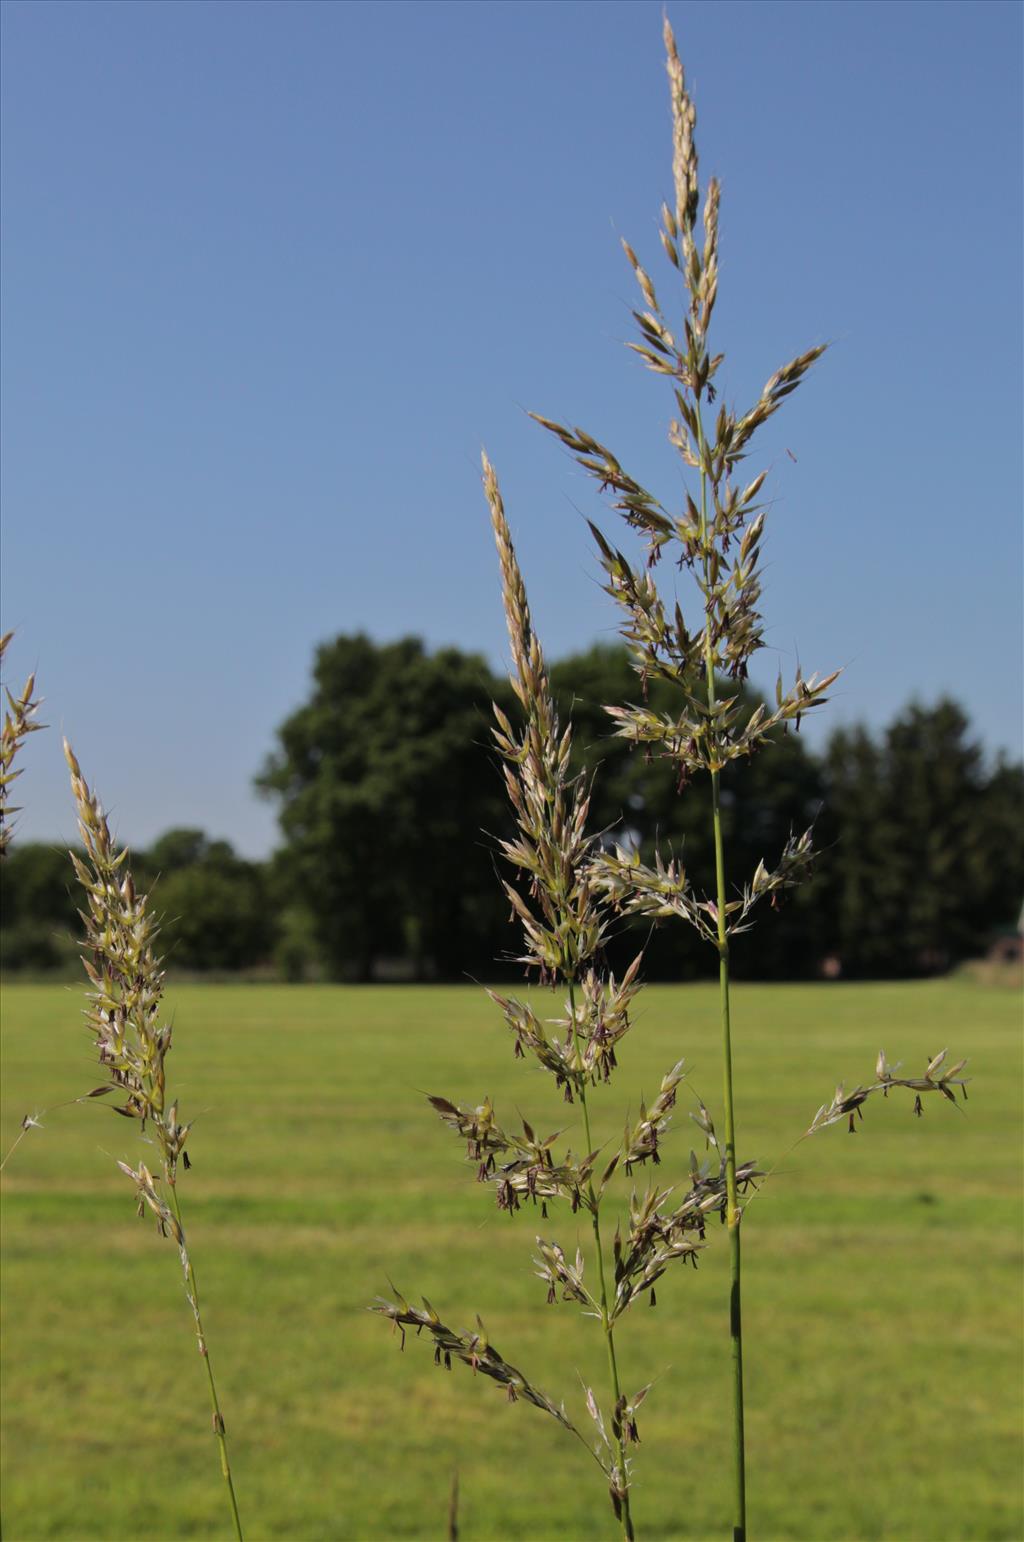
[213, 904]
[390, 806]
[39, 912]
[928, 854]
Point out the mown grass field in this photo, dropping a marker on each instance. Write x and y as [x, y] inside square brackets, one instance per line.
[883, 1303]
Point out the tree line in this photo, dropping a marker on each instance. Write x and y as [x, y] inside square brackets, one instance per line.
[391, 810]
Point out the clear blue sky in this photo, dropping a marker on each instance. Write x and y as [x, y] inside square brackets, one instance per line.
[274, 272]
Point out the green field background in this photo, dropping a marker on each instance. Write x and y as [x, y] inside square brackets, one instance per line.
[881, 1276]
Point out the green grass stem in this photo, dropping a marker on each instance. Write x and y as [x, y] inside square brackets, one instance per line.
[739, 1529]
[606, 1324]
[218, 1417]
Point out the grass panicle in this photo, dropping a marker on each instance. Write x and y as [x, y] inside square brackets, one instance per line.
[715, 537]
[132, 1043]
[564, 916]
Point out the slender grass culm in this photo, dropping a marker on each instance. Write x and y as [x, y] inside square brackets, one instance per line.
[715, 538]
[123, 1015]
[707, 733]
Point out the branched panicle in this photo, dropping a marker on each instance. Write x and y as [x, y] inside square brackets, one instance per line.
[937, 1077]
[715, 535]
[564, 917]
[121, 964]
[126, 977]
[568, 888]
[19, 722]
[127, 983]
[563, 927]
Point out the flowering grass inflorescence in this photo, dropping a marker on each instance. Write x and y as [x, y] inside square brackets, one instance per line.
[571, 888]
[565, 918]
[132, 1043]
[715, 537]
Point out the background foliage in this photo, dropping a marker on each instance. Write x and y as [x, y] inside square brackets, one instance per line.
[390, 806]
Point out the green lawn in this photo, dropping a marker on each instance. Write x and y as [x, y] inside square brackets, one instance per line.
[882, 1295]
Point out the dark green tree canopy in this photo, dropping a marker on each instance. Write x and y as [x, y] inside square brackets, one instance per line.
[386, 786]
[391, 804]
[39, 911]
[929, 844]
[212, 904]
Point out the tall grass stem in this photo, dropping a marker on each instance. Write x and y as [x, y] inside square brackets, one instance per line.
[732, 1206]
[609, 1331]
[218, 1417]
